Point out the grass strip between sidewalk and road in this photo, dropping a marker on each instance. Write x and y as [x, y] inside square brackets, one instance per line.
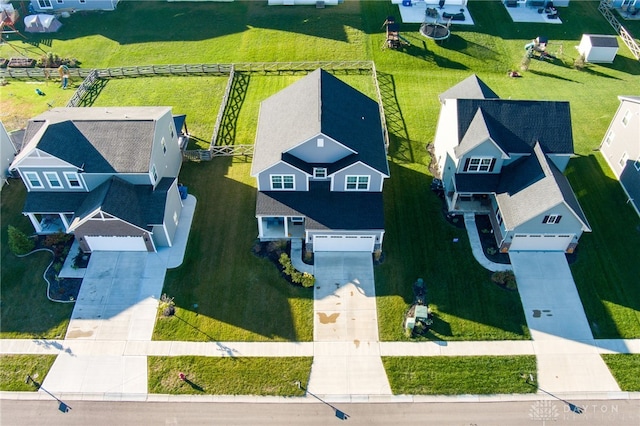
[457, 375]
[15, 369]
[229, 375]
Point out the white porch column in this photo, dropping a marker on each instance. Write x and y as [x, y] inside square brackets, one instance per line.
[63, 218]
[34, 222]
[259, 226]
[286, 227]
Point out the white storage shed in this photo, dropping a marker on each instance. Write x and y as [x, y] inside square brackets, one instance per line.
[598, 48]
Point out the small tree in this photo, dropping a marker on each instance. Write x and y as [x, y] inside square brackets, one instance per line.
[19, 243]
[167, 305]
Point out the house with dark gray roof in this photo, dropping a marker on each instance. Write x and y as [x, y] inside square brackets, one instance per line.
[621, 148]
[109, 176]
[505, 158]
[320, 163]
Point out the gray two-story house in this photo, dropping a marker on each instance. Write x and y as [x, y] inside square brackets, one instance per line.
[107, 175]
[320, 164]
[621, 148]
[506, 158]
[49, 6]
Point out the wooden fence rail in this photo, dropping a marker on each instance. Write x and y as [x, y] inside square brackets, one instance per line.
[223, 106]
[605, 8]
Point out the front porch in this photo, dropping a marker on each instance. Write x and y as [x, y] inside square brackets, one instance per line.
[279, 227]
[468, 203]
[50, 223]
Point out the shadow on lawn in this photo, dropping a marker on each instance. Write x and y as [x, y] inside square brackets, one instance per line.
[222, 286]
[606, 269]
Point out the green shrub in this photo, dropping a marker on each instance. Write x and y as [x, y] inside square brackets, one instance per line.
[505, 278]
[303, 278]
[19, 243]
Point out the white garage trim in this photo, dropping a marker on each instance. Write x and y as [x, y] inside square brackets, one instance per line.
[124, 243]
[541, 242]
[338, 242]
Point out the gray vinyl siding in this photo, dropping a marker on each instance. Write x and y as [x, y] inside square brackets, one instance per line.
[569, 224]
[76, 5]
[375, 178]
[167, 164]
[626, 139]
[309, 151]
[174, 205]
[300, 179]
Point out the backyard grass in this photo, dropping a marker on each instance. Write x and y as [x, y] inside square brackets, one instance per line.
[229, 375]
[237, 294]
[477, 375]
[625, 369]
[15, 369]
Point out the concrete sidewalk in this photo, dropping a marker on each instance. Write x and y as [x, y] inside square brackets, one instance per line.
[476, 246]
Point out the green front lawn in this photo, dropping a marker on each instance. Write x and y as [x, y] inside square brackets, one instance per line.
[625, 369]
[229, 375]
[15, 369]
[476, 375]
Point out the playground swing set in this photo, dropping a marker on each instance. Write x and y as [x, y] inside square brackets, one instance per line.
[394, 39]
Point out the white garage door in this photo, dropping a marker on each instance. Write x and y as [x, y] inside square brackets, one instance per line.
[540, 242]
[116, 243]
[343, 242]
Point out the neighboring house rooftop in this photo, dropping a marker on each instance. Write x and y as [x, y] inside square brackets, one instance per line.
[533, 185]
[516, 126]
[325, 209]
[100, 140]
[634, 99]
[319, 103]
[469, 88]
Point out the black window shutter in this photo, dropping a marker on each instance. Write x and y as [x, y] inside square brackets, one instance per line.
[546, 219]
[466, 164]
[558, 219]
[493, 163]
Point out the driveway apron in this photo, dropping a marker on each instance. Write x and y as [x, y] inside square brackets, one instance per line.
[117, 303]
[567, 355]
[346, 349]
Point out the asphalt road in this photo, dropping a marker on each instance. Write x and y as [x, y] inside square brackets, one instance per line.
[87, 413]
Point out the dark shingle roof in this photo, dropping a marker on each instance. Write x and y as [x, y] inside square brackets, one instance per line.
[53, 202]
[531, 186]
[603, 40]
[139, 205]
[319, 103]
[99, 140]
[516, 126]
[469, 88]
[324, 209]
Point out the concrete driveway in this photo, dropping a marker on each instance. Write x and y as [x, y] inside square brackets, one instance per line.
[567, 354]
[346, 349]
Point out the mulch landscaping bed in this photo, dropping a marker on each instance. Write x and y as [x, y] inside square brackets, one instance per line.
[488, 241]
[61, 289]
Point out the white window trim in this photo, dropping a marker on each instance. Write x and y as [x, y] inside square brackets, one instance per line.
[28, 179]
[154, 173]
[74, 176]
[346, 182]
[626, 118]
[552, 219]
[53, 176]
[293, 181]
[320, 143]
[610, 137]
[163, 143]
[481, 160]
[322, 170]
[636, 164]
[623, 159]
[42, 5]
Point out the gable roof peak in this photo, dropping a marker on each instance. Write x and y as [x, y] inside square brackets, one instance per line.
[471, 87]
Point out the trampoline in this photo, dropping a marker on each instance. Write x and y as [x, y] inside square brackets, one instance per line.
[435, 31]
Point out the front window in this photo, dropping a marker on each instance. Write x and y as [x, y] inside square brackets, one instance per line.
[154, 173]
[499, 217]
[52, 178]
[282, 182]
[357, 183]
[33, 179]
[552, 219]
[72, 179]
[45, 4]
[478, 164]
[164, 145]
[319, 172]
[623, 160]
[610, 137]
[626, 118]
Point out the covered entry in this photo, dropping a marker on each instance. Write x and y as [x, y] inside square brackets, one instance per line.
[338, 242]
[540, 242]
[113, 243]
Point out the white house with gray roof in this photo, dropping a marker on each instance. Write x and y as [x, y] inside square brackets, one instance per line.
[320, 164]
[107, 175]
[505, 158]
[621, 148]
